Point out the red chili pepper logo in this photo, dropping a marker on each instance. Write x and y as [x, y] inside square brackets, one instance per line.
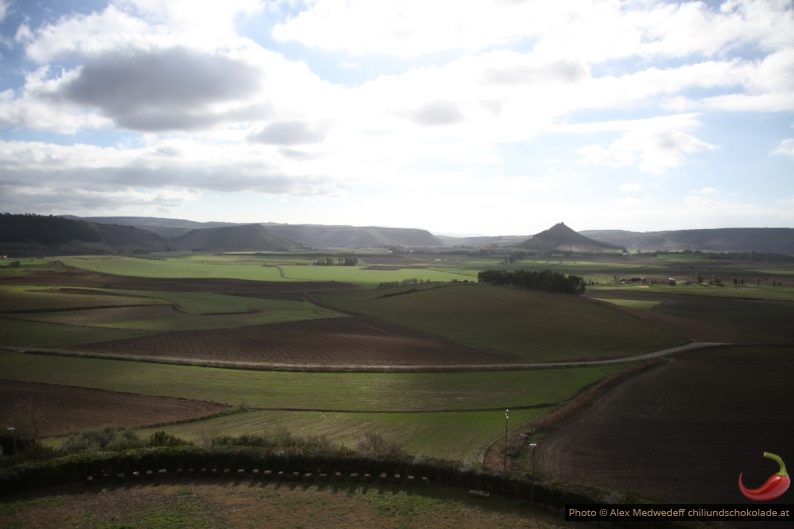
[776, 485]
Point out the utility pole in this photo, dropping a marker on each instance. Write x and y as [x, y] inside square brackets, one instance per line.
[507, 419]
[532, 446]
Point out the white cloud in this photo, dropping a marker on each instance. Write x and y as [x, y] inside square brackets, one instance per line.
[630, 187]
[408, 28]
[654, 145]
[591, 30]
[768, 86]
[708, 196]
[786, 148]
[173, 169]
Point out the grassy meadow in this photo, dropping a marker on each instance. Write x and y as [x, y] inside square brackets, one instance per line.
[257, 267]
[326, 391]
[443, 415]
[457, 435]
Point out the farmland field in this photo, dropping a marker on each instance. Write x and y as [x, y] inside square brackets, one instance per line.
[535, 326]
[64, 409]
[311, 391]
[344, 342]
[461, 435]
[444, 415]
[168, 318]
[281, 311]
[683, 432]
[254, 267]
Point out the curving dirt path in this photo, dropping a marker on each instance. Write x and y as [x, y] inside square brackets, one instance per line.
[116, 350]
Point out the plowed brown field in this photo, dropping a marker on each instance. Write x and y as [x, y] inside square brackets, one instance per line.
[332, 341]
[65, 409]
[684, 432]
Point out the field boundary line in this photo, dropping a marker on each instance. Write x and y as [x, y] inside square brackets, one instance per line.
[352, 368]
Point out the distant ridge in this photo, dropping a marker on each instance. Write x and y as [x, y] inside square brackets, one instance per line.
[161, 226]
[313, 235]
[39, 235]
[244, 237]
[36, 235]
[765, 240]
[561, 238]
[321, 236]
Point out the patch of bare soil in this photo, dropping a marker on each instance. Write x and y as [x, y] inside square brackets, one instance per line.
[683, 432]
[331, 341]
[60, 410]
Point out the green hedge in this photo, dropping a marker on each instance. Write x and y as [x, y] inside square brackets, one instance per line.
[77, 467]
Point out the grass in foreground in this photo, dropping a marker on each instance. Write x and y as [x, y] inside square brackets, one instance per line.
[307, 391]
[246, 505]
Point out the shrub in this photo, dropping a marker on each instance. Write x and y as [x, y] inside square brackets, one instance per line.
[160, 438]
[108, 438]
[375, 444]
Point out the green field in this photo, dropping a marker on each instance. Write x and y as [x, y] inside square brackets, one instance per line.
[453, 415]
[762, 292]
[23, 333]
[311, 391]
[461, 436]
[257, 268]
[165, 318]
[35, 298]
[631, 303]
[175, 267]
[535, 326]
[361, 276]
[56, 310]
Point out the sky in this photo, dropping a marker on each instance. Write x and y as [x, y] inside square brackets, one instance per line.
[483, 117]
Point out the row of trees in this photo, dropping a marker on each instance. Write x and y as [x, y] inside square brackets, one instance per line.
[544, 280]
[403, 283]
[336, 261]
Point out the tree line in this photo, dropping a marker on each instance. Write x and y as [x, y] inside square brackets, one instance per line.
[544, 280]
[336, 261]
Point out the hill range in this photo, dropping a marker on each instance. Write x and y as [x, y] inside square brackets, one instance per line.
[52, 235]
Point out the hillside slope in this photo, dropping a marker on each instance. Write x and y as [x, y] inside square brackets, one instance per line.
[246, 237]
[772, 240]
[320, 236]
[39, 235]
[561, 238]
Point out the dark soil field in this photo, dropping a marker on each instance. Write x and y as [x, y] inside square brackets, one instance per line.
[331, 341]
[248, 505]
[683, 432]
[711, 318]
[61, 410]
